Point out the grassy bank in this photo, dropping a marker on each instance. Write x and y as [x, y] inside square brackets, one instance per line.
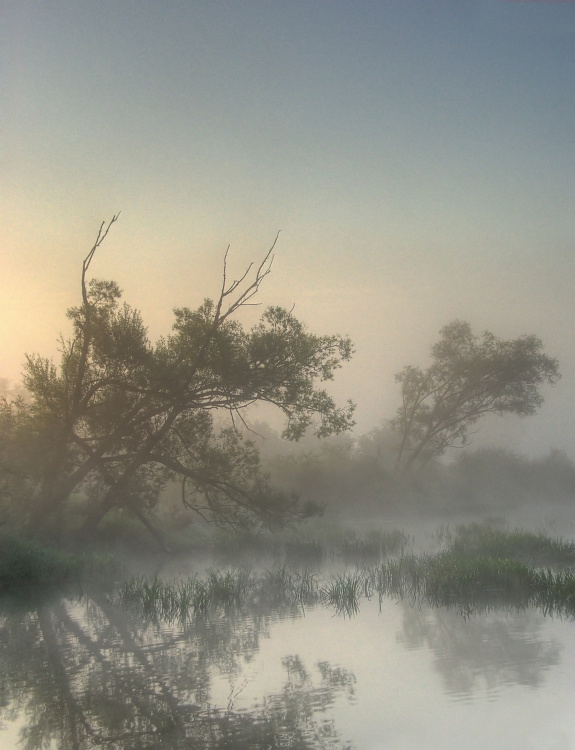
[478, 568]
[481, 540]
[24, 563]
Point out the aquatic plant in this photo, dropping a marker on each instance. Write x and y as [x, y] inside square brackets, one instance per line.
[469, 576]
[554, 592]
[161, 599]
[483, 540]
[401, 577]
[451, 577]
[474, 583]
[343, 592]
[287, 585]
[229, 586]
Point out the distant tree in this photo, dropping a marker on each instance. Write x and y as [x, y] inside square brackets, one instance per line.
[470, 376]
[118, 417]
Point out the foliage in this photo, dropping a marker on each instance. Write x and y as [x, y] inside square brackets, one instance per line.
[23, 563]
[471, 577]
[474, 584]
[483, 540]
[118, 417]
[470, 376]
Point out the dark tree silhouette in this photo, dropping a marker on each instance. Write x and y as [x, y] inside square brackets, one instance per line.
[119, 417]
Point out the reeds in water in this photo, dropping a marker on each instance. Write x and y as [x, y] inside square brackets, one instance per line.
[465, 576]
[485, 541]
[344, 591]
[178, 599]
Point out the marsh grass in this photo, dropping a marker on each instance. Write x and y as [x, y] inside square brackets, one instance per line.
[471, 584]
[483, 540]
[160, 599]
[221, 589]
[475, 583]
[229, 586]
[288, 586]
[479, 568]
[344, 591]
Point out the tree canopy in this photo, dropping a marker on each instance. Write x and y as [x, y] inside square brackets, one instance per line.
[470, 376]
[118, 417]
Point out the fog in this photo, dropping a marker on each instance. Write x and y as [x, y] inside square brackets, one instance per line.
[354, 482]
[416, 157]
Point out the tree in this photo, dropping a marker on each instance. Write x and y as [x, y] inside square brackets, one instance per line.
[469, 377]
[119, 417]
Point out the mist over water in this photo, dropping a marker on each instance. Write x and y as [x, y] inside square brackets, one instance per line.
[381, 174]
[88, 669]
[354, 481]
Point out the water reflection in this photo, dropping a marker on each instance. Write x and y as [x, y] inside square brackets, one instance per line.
[482, 652]
[86, 673]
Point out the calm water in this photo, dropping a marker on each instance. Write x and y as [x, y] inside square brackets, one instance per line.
[83, 673]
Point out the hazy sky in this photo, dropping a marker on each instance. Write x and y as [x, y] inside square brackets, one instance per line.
[418, 157]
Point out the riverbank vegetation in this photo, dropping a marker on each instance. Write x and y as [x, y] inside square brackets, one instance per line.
[118, 424]
[472, 577]
[119, 417]
[26, 564]
[124, 445]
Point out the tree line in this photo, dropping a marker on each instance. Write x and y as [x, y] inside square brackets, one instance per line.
[118, 417]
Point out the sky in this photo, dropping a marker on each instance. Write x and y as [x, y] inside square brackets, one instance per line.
[418, 158]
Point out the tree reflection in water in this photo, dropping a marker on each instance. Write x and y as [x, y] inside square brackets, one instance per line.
[88, 674]
[479, 651]
[79, 674]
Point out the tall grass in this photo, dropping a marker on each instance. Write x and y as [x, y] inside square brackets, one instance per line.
[484, 540]
[344, 591]
[478, 568]
[178, 600]
[470, 583]
[475, 583]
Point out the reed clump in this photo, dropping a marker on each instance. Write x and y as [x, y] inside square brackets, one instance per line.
[470, 573]
[475, 583]
[179, 599]
[344, 591]
[483, 540]
[289, 586]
